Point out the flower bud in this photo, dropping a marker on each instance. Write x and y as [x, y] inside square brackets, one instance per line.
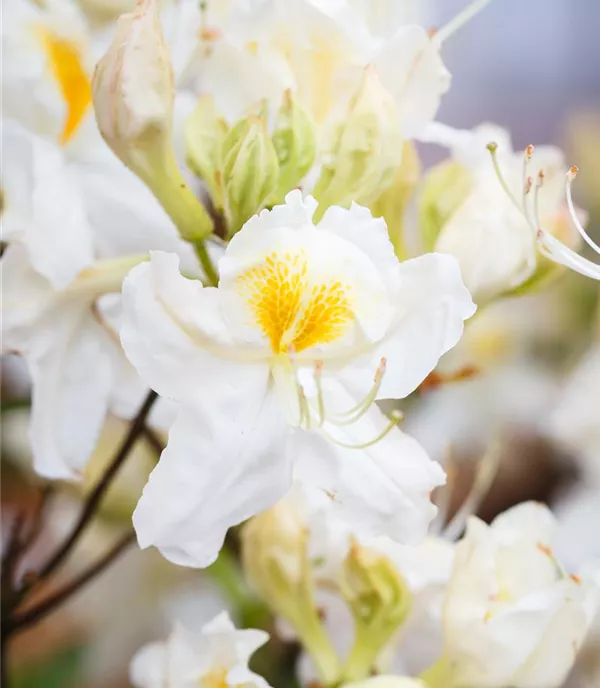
[364, 151]
[205, 131]
[277, 564]
[445, 187]
[295, 142]
[133, 91]
[133, 96]
[250, 170]
[379, 600]
[391, 204]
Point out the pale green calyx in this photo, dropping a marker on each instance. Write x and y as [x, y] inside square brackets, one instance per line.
[250, 170]
[205, 131]
[445, 187]
[364, 150]
[379, 600]
[295, 141]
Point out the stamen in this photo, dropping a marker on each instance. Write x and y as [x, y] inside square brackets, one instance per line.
[320, 399]
[549, 246]
[303, 407]
[571, 174]
[545, 549]
[484, 477]
[541, 176]
[460, 20]
[395, 418]
[358, 411]
[493, 149]
[527, 185]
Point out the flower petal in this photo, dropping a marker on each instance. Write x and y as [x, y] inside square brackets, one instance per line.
[381, 490]
[68, 354]
[173, 332]
[220, 467]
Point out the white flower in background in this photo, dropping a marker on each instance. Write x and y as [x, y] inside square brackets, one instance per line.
[277, 370]
[67, 204]
[512, 615]
[319, 50]
[217, 656]
[575, 421]
[490, 237]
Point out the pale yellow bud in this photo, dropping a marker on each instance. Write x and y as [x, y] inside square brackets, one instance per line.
[445, 187]
[205, 131]
[133, 91]
[294, 138]
[379, 600]
[250, 170]
[276, 563]
[363, 152]
[133, 96]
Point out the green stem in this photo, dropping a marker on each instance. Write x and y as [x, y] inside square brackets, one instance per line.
[439, 675]
[318, 645]
[186, 211]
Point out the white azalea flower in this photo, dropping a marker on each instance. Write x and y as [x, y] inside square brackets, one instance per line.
[217, 656]
[69, 203]
[490, 237]
[308, 327]
[319, 51]
[512, 616]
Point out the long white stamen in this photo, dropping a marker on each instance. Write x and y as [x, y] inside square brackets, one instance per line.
[460, 20]
[549, 246]
[484, 477]
[396, 417]
[358, 411]
[527, 184]
[571, 174]
[493, 149]
[320, 398]
[536, 197]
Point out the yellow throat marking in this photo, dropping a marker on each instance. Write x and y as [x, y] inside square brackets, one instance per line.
[292, 313]
[75, 86]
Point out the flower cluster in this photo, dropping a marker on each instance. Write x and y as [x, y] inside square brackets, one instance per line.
[210, 206]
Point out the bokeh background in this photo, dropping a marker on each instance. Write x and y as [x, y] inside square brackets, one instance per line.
[532, 66]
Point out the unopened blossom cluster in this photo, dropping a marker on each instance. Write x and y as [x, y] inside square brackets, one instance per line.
[209, 200]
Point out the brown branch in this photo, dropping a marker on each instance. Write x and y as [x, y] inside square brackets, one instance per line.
[135, 431]
[35, 614]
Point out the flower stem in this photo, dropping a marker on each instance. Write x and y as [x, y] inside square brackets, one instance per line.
[37, 613]
[439, 675]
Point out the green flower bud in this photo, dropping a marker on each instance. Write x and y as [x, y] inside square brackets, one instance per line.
[379, 600]
[250, 170]
[391, 204]
[445, 187]
[295, 142]
[362, 152]
[205, 131]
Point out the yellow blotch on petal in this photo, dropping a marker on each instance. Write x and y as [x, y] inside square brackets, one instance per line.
[65, 63]
[293, 314]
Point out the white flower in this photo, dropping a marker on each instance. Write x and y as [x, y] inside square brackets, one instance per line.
[319, 50]
[490, 237]
[308, 327]
[512, 616]
[217, 656]
[69, 203]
